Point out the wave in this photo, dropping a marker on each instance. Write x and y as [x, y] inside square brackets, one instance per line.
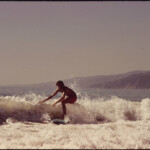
[84, 111]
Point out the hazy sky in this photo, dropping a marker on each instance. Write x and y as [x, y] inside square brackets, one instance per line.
[49, 41]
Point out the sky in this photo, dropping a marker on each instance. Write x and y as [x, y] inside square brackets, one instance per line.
[50, 41]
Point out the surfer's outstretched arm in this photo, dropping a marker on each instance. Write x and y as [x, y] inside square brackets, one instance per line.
[61, 99]
[50, 96]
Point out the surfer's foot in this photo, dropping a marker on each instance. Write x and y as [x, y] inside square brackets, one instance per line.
[62, 117]
[66, 119]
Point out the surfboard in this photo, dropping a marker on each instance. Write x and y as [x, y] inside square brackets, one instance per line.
[58, 121]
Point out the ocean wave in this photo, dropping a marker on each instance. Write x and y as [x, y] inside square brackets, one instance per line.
[84, 111]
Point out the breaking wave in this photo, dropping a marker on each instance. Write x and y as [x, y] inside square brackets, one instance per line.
[84, 111]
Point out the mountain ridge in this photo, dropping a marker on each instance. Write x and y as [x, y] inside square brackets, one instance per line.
[98, 81]
[133, 81]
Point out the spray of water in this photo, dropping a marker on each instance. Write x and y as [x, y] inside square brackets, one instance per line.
[84, 111]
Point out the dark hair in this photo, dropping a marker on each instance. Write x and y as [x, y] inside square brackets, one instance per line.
[60, 83]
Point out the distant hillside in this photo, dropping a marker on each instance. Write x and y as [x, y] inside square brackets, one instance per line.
[134, 81]
[84, 82]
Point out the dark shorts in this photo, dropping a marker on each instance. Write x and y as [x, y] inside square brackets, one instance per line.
[70, 100]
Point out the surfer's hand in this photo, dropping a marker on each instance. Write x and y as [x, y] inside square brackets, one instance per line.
[41, 101]
[54, 104]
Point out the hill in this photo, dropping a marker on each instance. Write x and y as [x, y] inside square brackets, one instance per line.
[134, 81]
[85, 82]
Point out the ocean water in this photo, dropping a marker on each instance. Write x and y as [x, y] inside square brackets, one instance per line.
[100, 119]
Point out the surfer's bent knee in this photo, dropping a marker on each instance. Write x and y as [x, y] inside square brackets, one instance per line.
[69, 100]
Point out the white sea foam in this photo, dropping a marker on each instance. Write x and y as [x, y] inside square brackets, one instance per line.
[122, 134]
[26, 108]
[114, 123]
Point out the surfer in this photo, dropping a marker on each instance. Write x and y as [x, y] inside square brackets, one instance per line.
[69, 96]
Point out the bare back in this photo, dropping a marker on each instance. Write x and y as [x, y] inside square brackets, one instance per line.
[68, 92]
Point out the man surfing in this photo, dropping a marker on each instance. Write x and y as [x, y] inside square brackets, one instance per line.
[69, 96]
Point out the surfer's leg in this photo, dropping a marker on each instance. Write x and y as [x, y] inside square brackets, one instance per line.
[70, 100]
[66, 100]
[64, 108]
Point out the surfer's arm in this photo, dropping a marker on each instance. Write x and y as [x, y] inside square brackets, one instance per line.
[50, 96]
[63, 96]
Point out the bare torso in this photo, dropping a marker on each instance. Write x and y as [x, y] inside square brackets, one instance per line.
[68, 92]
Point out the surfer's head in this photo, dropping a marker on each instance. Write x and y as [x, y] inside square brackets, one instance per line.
[60, 84]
